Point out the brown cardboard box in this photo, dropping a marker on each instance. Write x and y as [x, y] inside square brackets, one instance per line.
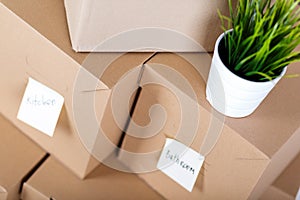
[250, 153]
[275, 193]
[287, 184]
[289, 179]
[55, 181]
[45, 17]
[18, 155]
[49, 19]
[26, 53]
[149, 23]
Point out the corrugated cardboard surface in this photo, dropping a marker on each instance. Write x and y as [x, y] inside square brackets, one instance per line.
[53, 180]
[18, 155]
[241, 167]
[93, 22]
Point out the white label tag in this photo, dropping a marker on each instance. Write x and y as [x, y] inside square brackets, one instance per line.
[40, 107]
[180, 163]
[298, 195]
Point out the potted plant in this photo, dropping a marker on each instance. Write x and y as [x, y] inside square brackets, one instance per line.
[252, 55]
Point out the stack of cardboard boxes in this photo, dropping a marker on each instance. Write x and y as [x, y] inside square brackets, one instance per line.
[35, 42]
[25, 53]
[19, 156]
[250, 153]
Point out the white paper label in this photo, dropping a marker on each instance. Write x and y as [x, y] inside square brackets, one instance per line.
[40, 107]
[180, 163]
[298, 195]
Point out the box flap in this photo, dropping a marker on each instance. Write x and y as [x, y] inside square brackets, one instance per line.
[73, 10]
[18, 155]
[55, 181]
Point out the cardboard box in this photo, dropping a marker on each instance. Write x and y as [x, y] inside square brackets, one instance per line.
[26, 53]
[18, 156]
[275, 193]
[107, 26]
[29, 54]
[250, 153]
[54, 181]
[287, 185]
[272, 132]
[289, 179]
[49, 19]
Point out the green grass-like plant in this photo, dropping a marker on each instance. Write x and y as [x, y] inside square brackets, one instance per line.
[263, 38]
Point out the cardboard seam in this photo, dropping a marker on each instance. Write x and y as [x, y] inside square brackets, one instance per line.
[184, 94]
[135, 101]
[32, 171]
[276, 162]
[281, 191]
[265, 157]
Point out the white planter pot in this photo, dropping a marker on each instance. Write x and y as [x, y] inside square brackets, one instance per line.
[231, 95]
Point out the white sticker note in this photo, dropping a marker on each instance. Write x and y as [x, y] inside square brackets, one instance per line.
[40, 107]
[298, 195]
[180, 163]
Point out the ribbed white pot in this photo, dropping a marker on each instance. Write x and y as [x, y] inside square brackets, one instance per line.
[232, 95]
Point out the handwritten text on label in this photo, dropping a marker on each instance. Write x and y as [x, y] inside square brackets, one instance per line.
[40, 101]
[40, 107]
[181, 163]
